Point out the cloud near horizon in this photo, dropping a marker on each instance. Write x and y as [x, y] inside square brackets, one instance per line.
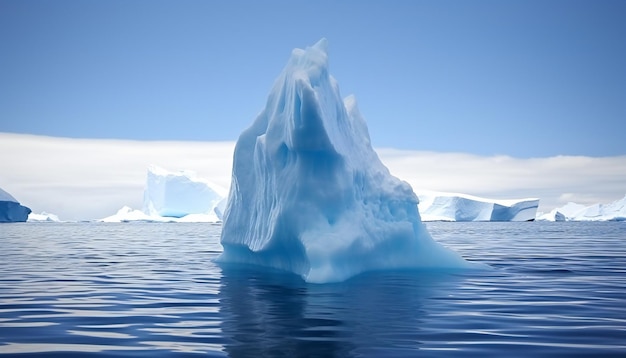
[86, 179]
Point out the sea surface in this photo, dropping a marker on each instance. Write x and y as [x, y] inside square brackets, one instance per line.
[153, 290]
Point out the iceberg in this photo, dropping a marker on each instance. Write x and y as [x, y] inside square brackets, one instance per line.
[615, 211]
[440, 206]
[11, 210]
[310, 196]
[175, 197]
[553, 215]
[177, 194]
[43, 217]
[564, 213]
[128, 214]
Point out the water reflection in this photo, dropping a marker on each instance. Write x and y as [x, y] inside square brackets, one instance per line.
[276, 314]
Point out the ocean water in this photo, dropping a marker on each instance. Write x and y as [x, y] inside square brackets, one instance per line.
[148, 289]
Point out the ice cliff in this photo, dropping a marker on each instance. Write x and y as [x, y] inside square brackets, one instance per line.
[11, 210]
[439, 206]
[615, 211]
[309, 195]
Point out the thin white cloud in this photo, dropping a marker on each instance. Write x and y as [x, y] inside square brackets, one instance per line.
[83, 179]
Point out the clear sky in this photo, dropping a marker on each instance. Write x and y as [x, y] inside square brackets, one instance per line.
[520, 78]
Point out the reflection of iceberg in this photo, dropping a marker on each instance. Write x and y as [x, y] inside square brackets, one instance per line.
[439, 206]
[266, 314]
[615, 211]
[11, 210]
[309, 195]
[176, 197]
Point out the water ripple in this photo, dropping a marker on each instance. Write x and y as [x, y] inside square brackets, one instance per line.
[559, 289]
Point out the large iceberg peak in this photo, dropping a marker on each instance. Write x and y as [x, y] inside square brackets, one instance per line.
[309, 195]
[313, 61]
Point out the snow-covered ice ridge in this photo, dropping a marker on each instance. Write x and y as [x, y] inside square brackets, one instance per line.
[440, 206]
[11, 210]
[310, 196]
[615, 211]
[176, 197]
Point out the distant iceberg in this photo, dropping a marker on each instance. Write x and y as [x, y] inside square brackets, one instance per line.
[179, 194]
[440, 206]
[175, 197]
[564, 213]
[127, 214]
[615, 211]
[310, 196]
[11, 210]
[43, 217]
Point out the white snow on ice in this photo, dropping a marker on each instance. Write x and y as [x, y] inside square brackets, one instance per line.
[4, 196]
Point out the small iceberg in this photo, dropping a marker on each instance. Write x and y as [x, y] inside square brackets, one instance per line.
[175, 197]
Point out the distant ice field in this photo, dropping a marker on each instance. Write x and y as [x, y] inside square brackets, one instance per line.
[153, 289]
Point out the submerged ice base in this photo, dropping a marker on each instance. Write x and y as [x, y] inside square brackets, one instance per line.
[310, 196]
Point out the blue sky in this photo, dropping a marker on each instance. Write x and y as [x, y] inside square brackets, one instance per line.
[521, 78]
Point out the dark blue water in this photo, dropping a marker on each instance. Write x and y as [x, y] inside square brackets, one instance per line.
[86, 289]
